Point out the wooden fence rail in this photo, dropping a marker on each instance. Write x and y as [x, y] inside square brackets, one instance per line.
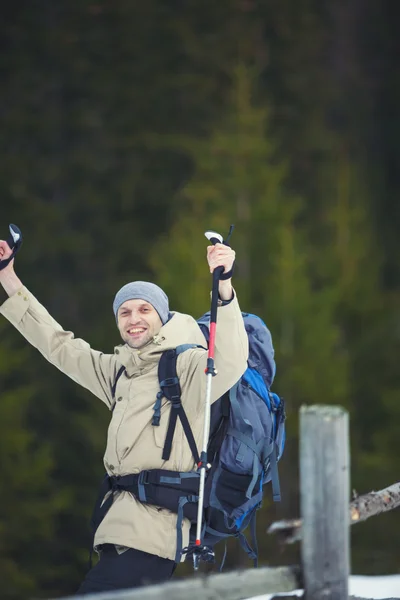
[235, 585]
[323, 528]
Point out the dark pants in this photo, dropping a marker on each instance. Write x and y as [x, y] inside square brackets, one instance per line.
[132, 568]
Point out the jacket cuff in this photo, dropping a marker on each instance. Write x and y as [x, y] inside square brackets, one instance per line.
[16, 306]
[225, 302]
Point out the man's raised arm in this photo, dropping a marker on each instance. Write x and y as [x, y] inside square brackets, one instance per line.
[8, 278]
[92, 369]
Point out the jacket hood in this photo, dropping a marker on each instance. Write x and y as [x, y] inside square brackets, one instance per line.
[180, 329]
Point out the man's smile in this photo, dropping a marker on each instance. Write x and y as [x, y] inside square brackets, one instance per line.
[136, 331]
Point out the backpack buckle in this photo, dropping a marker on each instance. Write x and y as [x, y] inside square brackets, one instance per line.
[157, 410]
[169, 381]
[115, 482]
[144, 477]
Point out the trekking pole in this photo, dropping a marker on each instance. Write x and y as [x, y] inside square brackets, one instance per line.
[201, 552]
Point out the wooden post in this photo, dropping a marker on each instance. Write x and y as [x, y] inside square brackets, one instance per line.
[324, 496]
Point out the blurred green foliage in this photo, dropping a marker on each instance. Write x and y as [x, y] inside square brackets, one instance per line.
[130, 128]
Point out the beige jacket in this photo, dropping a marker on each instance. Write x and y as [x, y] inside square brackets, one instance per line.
[133, 444]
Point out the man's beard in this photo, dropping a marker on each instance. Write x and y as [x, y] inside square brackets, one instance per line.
[139, 344]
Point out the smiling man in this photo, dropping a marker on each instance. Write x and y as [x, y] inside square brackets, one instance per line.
[141, 309]
[139, 542]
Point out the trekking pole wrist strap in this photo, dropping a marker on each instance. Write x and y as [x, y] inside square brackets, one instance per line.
[229, 274]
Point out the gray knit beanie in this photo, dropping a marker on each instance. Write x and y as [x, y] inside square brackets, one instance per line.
[144, 291]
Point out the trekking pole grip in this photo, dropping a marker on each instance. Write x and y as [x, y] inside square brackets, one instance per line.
[215, 238]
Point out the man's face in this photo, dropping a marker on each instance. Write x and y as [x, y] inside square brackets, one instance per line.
[138, 322]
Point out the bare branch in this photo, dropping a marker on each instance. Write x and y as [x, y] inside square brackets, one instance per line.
[361, 508]
[374, 503]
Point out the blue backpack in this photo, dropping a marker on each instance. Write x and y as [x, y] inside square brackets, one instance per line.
[247, 438]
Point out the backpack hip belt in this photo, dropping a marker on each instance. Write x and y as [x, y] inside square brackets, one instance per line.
[176, 491]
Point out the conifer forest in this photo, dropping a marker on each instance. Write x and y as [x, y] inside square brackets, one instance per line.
[129, 128]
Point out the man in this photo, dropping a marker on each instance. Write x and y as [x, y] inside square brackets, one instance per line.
[137, 542]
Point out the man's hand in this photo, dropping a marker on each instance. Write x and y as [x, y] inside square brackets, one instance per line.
[8, 279]
[5, 252]
[222, 256]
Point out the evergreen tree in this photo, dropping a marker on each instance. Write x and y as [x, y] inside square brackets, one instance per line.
[28, 502]
[367, 316]
[238, 178]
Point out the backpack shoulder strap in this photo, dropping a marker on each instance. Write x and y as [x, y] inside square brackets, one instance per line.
[219, 422]
[171, 389]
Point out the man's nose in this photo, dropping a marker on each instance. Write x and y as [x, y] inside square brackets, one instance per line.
[135, 318]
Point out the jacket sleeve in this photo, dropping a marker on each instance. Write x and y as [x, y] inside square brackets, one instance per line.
[230, 357]
[74, 357]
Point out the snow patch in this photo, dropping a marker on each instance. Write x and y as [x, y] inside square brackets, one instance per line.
[363, 586]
